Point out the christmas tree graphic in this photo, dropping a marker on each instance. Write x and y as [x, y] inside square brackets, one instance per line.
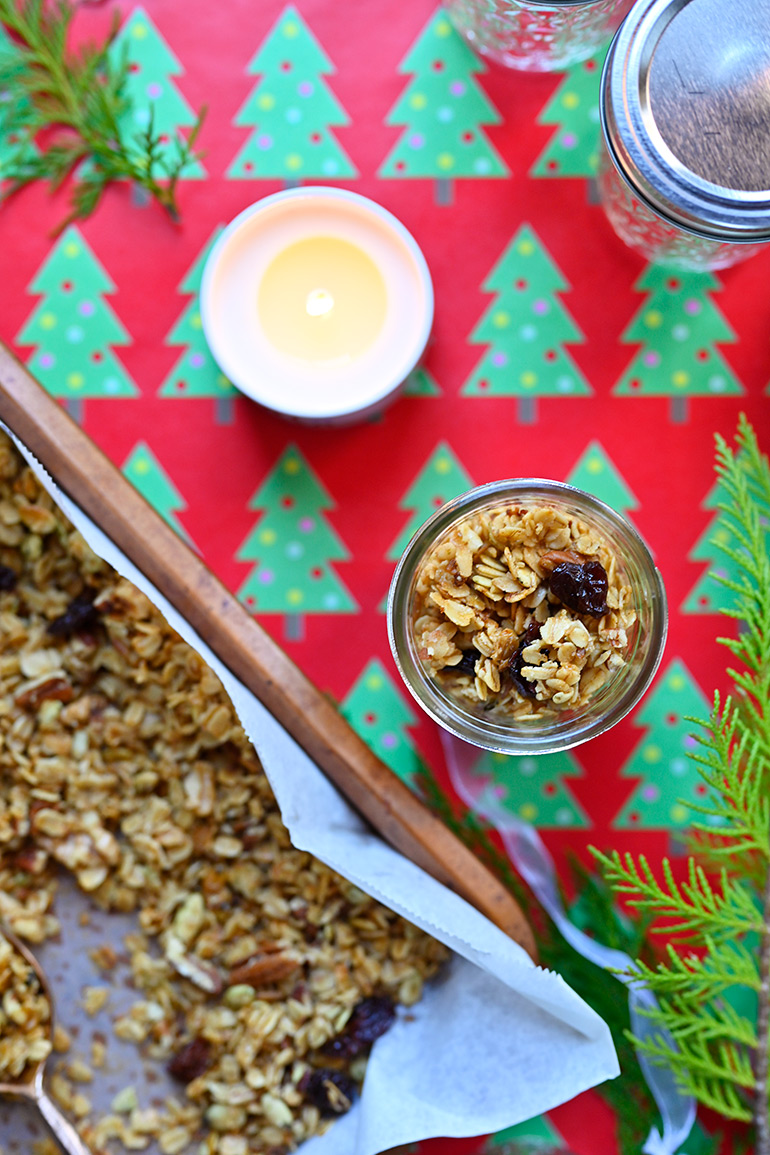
[534, 788]
[73, 327]
[441, 478]
[16, 143]
[378, 712]
[573, 151]
[709, 595]
[443, 109]
[291, 110]
[525, 329]
[151, 94]
[678, 327]
[196, 373]
[292, 545]
[596, 474]
[667, 777]
[538, 1134]
[420, 383]
[143, 469]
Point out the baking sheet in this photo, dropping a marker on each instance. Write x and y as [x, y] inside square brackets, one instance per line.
[496, 1041]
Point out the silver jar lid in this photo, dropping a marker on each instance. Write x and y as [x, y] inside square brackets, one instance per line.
[686, 112]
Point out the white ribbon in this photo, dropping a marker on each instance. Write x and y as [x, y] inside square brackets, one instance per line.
[529, 855]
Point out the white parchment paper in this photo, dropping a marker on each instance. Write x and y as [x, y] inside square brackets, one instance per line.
[495, 1040]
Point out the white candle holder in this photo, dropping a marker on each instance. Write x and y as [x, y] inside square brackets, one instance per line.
[317, 303]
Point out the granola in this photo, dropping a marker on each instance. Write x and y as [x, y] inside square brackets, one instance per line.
[524, 610]
[122, 762]
[25, 1015]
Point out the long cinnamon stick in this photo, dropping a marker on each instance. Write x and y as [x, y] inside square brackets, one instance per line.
[89, 478]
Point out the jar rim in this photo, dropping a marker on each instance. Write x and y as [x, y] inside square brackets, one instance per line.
[530, 736]
[642, 156]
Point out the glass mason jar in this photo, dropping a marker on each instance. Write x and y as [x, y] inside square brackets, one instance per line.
[538, 37]
[684, 175]
[503, 628]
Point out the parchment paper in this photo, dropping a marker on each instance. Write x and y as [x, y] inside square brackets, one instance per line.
[494, 1041]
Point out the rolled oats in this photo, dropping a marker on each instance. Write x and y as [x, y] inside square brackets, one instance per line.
[502, 620]
[122, 762]
[25, 1015]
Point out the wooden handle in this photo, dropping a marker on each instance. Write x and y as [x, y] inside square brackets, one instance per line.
[91, 480]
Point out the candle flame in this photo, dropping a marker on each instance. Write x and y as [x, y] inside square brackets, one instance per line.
[319, 303]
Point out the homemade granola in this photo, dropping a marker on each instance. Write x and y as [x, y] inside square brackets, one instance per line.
[524, 610]
[262, 977]
[25, 1016]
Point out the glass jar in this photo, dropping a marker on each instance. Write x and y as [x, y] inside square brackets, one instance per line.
[538, 37]
[575, 529]
[684, 177]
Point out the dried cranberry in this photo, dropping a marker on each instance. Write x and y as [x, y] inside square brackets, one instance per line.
[79, 616]
[526, 688]
[191, 1061]
[467, 663]
[8, 578]
[582, 588]
[332, 1092]
[370, 1018]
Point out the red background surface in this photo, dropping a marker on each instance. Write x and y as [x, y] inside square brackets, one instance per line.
[367, 468]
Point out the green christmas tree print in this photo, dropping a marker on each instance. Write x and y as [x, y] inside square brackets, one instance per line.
[151, 94]
[421, 384]
[573, 150]
[441, 478]
[291, 110]
[196, 373]
[678, 327]
[534, 788]
[73, 327]
[16, 143]
[525, 329]
[709, 595]
[536, 1133]
[443, 109]
[377, 711]
[596, 474]
[145, 472]
[667, 777]
[292, 545]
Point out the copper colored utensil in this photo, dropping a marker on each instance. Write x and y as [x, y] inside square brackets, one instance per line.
[103, 493]
[30, 1084]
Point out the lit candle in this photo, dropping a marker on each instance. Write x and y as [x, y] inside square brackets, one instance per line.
[318, 303]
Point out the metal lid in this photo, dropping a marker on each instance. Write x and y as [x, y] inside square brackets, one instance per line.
[686, 112]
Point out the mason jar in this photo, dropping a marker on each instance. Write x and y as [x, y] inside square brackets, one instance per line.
[526, 616]
[684, 174]
[538, 37]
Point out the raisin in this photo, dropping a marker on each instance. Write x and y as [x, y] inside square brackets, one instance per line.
[191, 1061]
[526, 688]
[79, 616]
[332, 1092]
[370, 1018]
[8, 578]
[467, 663]
[582, 588]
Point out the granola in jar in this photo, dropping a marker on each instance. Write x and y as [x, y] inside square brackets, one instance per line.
[262, 977]
[523, 609]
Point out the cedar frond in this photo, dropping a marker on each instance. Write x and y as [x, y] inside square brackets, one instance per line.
[82, 93]
[716, 1053]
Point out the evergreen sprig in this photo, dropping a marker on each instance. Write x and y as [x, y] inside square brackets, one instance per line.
[719, 956]
[75, 105]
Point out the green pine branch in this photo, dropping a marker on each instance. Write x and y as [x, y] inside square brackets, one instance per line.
[718, 917]
[75, 104]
